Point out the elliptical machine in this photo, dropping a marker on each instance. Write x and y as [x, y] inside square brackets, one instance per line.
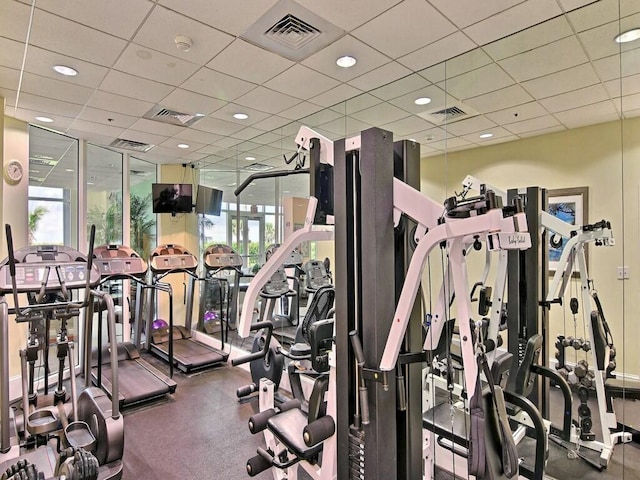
[90, 437]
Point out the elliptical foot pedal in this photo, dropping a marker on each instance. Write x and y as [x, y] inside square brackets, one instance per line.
[42, 421]
[79, 435]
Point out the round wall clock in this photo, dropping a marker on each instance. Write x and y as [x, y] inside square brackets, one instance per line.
[13, 172]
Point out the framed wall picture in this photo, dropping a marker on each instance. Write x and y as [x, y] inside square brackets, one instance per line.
[570, 205]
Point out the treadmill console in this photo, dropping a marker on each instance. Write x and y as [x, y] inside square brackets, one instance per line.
[31, 276]
[172, 257]
[113, 260]
[221, 256]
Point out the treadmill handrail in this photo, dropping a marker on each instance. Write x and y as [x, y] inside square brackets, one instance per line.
[175, 270]
[261, 175]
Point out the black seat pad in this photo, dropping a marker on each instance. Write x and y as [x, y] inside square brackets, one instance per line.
[288, 427]
[438, 420]
[619, 388]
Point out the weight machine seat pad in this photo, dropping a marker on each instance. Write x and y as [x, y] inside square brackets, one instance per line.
[438, 421]
[300, 350]
[288, 427]
[619, 388]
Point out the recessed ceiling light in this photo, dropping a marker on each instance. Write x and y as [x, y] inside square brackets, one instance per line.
[34, 171]
[286, 191]
[44, 119]
[412, 140]
[183, 145]
[250, 158]
[90, 183]
[68, 169]
[422, 101]
[240, 116]
[486, 135]
[199, 114]
[64, 70]
[628, 36]
[231, 184]
[346, 61]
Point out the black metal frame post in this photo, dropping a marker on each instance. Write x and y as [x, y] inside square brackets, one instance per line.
[409, 421]
[527, 287]
[365, 280]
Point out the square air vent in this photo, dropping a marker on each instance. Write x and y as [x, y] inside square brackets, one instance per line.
[292, 31]
[258, 167]
[131, 145]
[451, 114]
[173, 117]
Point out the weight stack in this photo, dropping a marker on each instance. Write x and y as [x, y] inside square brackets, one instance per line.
[356, 453]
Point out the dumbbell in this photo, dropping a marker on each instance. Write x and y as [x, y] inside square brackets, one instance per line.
[567, 341]
[581, 369]
[612, 366]
[587, 380]
[612, 352]
[577, 343]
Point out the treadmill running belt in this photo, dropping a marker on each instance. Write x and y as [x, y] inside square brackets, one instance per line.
[136, 383]
[192, 354]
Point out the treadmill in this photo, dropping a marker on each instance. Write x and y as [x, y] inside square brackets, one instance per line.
[219, 260]
[188, 354]
[139, 381]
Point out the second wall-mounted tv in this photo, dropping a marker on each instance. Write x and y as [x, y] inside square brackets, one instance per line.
[209, 201]
[172, 197]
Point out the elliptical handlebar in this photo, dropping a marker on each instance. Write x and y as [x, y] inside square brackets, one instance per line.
[268, 325]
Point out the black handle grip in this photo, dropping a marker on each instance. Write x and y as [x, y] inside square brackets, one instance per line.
[92, 238]
[357, 347]
[12, 258]
[246, 390]
[268, 326]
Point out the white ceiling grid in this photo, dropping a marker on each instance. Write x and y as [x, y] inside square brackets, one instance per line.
[556, 73]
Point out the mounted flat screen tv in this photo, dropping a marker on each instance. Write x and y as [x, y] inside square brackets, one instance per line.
[209, 201]
[172, 197]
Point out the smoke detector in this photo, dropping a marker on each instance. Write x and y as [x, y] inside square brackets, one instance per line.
[183, 43]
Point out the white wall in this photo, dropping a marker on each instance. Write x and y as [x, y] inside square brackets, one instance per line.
[590, 156]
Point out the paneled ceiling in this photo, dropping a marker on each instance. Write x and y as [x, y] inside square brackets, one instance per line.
[525, 67]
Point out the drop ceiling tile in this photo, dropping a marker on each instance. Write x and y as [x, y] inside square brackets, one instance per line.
[190, 102]
[244, 60]
[359, 11]
[449, 144]
[343, 127]
[301, 82]
[102, 15]
[545, 60]
[470, 125]
[163, 25]
[135, 87]
[9, 78]
[418, 24]
[41, 62]
[588, 115]
[628, 104]
[226, 113]
[534, 37]
[629, 85]
[191, 135]
[381, 113]
[542, 131]
[10, 98]
[486, 79]
[499, 133]
[563, 81]
[46, 105]
[217, 85]
[172, 143]
[406, 126]
[407, 102]
[408, 84]
[12, 52]
[228, 142]
[96, 115]
[531, 125]
[568, 5]
[512, 20]
[499, 100]
[194, 156]
[217, 126]
[14, 19]
[267, 138]
[325, 60]
[271, 123]
[84, 43]
[248, 133]
[517, 113]
[267, 100]
[224, 16]
[598, 42]
[160, 67]
[155, 127]
[300, 110]
[124, 105]
[60, 123]
[98, 128]
[270, 151]
[576, 98]
[319, 118]
[380, 76]
[446, 48]
[466, 12]
[56, 89]
[598, 13]
[357, 104]
[628, 63]
[143, 137]
[336, 95]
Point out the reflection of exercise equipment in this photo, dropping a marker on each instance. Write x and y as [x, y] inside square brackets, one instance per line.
[50, 275]
[188, 353]
[217, 291]
[139, 381]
